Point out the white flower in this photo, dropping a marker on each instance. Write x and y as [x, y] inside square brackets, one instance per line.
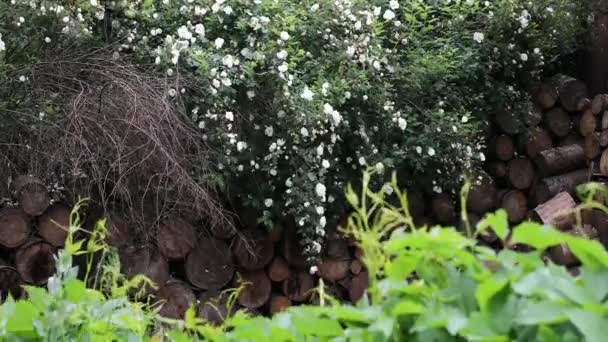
[219, 42]
[199, 29]
[228, 10]
[537, 51]
[184, 33]
[320, 210]
[284, 35]
[230, 116]
[524, 19]
[418, 149]
[282, 54]
[402, 123]
[393, 4]
[362, 161]
[478, 37]
[172, 92]
[322, 221]
[47, 39]
[320, 149]
[314, 7]
[304, 132]
[482, 156]
[389, 15]
[228, 61]
[320, 190]
[325, 164]
[307, 94]
[328, 109]
[523, 57]
[241, 145]
[2, 45]
[464, 119]
[269, 131]
[283, 67]
[268, 202]
[336, 117]
[380, 167]
[431, 151]
[22, 78]
[313, 270]
[93, 2]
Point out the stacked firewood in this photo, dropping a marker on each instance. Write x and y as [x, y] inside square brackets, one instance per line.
[538, 157]
[189, 265]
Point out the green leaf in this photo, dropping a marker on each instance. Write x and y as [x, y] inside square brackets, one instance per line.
[75, 291]
[591, 325]
[540, 313]
[499, 223]
[591, 253]
[316, 326]
[22, 321]
[407, 307]
[488, 289]
[537, 236]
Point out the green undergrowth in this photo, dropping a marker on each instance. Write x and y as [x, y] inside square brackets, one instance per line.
[426, 284]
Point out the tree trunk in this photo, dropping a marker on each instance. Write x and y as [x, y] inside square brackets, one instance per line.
[15, 227]
[592, 146]
[256, 290]
[545, 96]
[334, 269]
[549, 187]
[147, 261]
[443, 208]
[253, 250]
[177, 296]
[54, 224]
[10, 281]
[502, 148]
[558, 122]
[570, 90]
[515, 203]
[520, 173]
[35, 262]
[209, 264]
[358, 286]
[32, 195]
[278, 270]
[298, 287]
[560, 159]
[278, 304]
[176, 238]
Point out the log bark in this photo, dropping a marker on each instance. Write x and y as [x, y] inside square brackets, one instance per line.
[298, 287]
[571, 139]
[253, 250]
[10, 281]
[54, 224]
[532, 116]
[558, 211]
[35, 262]
[337, 247]
[502, 148]
[520, 173]
[588, 123]
[213, 307]
[549, 187]
[118, 232]
[508, 122]
[558, 122]
[278, 270]
[592, 146]
[604, 138]
[334, 269]
[176, 238]
[599, 103]
[545, 96]
[443, 208]
[355, 267]
[358, 286]
[604, 163]
[32, 195]
[278, 304]
[15, 227]
[559, 160]
[583, 105]
[177, 297]
[515, 203]
[536, 141]
[222, 231]
[256, 290]
[497, 169]
[147, 261]
[570, 90]
[482, 196]
[209, 264]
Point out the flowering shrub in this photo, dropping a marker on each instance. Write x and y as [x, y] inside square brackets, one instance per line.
[297, 97]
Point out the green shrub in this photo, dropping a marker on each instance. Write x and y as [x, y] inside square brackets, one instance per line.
[297, 97]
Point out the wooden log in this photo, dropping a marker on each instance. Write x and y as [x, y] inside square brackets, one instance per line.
[536, 141]
[118, 232]
[559, 160]
[571, 139]
[583, 105]
[604, 121]
[515, 203]
[337, 247]
[209, 264]
[222, 231]
[599, 103]
[32, 195]
[35, 262]
[558, 121]
[291, 248]
[278, 304]
[570, 90]
[604, 163]
[10, 281]
[278, 270]
[253, 250]
[531, 115]
[502, 148]
[604, 138]
[549, 187]
[147, 261]
[520, 173]
[54, 224]
[276, 233]
[599, 220]
[482, 196]
[588, 123]
[175, 238]
[497, 169]
[213, 307]
[358, 286]
[177, 297]
[558, 211]
[443, 208]
[334, 269]
[561, 255]
[355, 267]
[256, 290]
[508, 122]
[545, 96]
[592, 146]
[298, 287]
[15, 227]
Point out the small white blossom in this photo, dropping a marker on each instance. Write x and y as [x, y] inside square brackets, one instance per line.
[199, 29]
[402, 123]
[228, 61]
[284, 35]
[478, 37]
[250, 94]
[431, 151]
[229, 116]
[172, 92]
[389, 15]
[304, 132]
[313, 270]
[283, 67]
[523, 57]
[22, 78]
[268, 202]
[282, 54]
[47, 39]
[307, 94]
[362, 161]
[2, 45]
[269, 131]
[184, 33]
[320, 190]
[219, 42]
[241, 145]
[393, 4]
[325, 164]
[380, 167]
[314, 7]
[418, 149]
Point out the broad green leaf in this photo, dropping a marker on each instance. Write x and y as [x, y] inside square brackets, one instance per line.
[589, 324]
[537, 236]
[590, 252]
[544, 312]
[595, 283]
[407, 307]
[75, 291]
[487, 289]
[21, 322]
[316, 326]
[401, 267]
[177, 336]
[499, 223]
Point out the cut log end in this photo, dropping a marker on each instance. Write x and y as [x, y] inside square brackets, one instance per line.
[520, 173]
[358, 286]
[10, 282]
[176, 238]
[147, 261]
[278, 270]
[334, 269]
[253, 250]
[298, 287]
[34, 198]
[35, 262]
[209, 264]
[177, 297]
[256, 290]
[443, 208]
[515, 204]
[278, 304]
[54, 224]
[558, 122]
[213, 307]
[14, 227]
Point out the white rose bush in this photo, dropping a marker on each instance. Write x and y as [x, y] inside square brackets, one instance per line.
[297, 98]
